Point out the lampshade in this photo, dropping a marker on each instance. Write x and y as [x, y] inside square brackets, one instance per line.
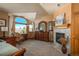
[4, 28]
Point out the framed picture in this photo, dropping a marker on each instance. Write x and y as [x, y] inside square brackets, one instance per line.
[60, 19]
[2, 22]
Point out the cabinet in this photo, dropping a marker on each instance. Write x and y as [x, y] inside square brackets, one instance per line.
[37, 35]
[51, 36]
[43, 36]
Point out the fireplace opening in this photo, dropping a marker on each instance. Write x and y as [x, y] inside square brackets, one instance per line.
[58, 36]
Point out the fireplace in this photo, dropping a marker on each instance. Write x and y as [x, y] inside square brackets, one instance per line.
[58, 33]
[58, 36]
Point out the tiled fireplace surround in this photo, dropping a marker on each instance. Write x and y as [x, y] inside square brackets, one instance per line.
[67, 36]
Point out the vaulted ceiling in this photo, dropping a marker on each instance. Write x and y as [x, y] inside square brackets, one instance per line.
[51, 7]
[39, 9]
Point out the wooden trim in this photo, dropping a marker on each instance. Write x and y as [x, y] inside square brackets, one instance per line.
[22, 17]
[52, 25]
[5, 22]
[45, 25]
[20, 52]
[20, 23]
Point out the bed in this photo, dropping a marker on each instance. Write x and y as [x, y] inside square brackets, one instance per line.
[9, 50]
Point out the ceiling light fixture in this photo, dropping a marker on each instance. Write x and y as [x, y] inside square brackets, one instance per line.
[58, 5]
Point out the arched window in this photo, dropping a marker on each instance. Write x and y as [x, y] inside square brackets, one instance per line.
[20, 25]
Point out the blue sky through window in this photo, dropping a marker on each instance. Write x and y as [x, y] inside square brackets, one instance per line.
[20, 20]
[20, 28]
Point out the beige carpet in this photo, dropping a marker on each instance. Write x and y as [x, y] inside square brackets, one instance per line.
[40, 48]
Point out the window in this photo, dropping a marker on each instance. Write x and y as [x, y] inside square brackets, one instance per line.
[31, 27]
[20, 25]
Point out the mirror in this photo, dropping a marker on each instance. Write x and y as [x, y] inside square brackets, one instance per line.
[51, 24]
[42, 26]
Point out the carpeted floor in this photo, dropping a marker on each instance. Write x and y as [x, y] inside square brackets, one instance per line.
[39, 48]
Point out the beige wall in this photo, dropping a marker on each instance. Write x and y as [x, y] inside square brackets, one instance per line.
[3, 15]
[45, 18]
[64, 9]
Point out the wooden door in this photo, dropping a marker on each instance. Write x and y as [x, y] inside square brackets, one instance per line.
[75, 35]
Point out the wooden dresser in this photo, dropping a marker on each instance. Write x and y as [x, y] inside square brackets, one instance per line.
[44, 36]
[11, 40]
[31, 35]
